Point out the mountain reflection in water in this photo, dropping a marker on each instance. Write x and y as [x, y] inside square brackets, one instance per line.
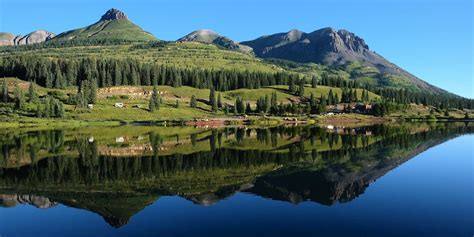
[117, 171]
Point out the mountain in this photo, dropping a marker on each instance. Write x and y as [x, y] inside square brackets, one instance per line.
[34, 37]
[335, 49]
[211, 37]
[114, 24]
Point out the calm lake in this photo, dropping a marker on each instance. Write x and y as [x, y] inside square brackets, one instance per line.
[413, 179]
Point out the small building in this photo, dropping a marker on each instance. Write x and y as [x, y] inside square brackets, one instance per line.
[119, 105]
[90, 106]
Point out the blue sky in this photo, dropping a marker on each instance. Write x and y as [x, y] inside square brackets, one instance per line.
[430, 38]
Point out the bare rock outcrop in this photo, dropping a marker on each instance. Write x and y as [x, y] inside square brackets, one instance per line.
[37, 36]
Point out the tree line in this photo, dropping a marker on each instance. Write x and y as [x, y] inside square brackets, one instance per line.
[60, 73]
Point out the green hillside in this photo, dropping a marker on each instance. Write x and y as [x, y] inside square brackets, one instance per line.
[137, 106]
[184, 55]
[122, 29]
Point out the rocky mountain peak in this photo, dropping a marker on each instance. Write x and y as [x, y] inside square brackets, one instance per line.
[352, 41]
[113, 14]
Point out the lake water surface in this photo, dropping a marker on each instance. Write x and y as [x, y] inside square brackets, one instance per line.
[382, 180]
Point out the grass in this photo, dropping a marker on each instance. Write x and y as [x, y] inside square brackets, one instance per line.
[104, 109]
[184, 55]
[118, 29]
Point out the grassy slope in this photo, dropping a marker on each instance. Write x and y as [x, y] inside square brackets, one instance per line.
[104, 109]
[117, 29]
[194, 55]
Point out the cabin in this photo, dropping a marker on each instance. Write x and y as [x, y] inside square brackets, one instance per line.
[90, 106]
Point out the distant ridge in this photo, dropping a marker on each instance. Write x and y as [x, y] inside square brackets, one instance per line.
[211, 37]
[37, 36]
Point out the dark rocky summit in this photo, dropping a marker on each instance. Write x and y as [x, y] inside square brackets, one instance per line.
[329, 47]
[113, 14]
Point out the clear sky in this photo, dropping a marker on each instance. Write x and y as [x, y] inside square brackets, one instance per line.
[433, 39]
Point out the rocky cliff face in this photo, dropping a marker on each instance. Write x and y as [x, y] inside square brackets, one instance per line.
[34, 37]
[328, 47]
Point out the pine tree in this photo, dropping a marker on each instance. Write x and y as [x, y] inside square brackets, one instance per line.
[330, 98]
[248, 109]
[212, 100]
[274, 103]
[61, 111]
[155, 97]
[18, 98]
[219, 101]
[291, 86]
[193, 102]
[314, 82]
[5, 90]
[151, 104]
[32, 92]
[301, 88]
[177, 103]
[93, 91]
[266, 107]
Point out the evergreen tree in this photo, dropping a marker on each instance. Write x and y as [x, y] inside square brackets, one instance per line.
[274, 103]
[301, 87]
[193, 102]
[155, 97]
[5, 90]
[151, 104]
[177, 103]
[330, 98]
[219, 101]
[212, 99]
[61, 111]
[19, 101]
[314, 82]
[248, 109]
[239, 106]
[291, 86]
[266, 108]
[32, 92]
[93, 91]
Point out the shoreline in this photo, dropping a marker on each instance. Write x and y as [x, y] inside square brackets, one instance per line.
[347, 120]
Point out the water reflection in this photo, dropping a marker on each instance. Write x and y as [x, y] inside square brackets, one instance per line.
[117, 171]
